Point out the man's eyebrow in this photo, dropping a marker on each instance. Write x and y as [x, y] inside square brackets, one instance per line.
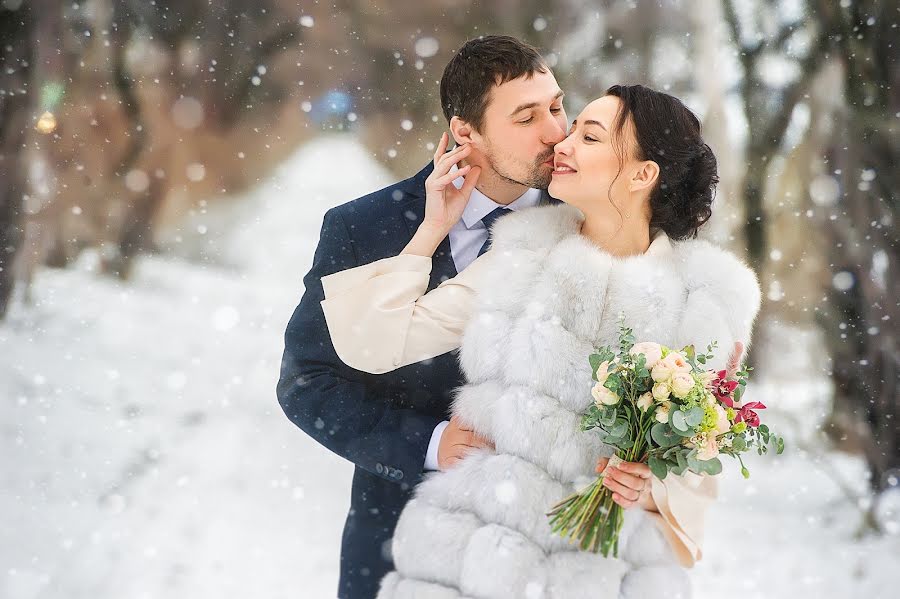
[527, 105]
[598, 123]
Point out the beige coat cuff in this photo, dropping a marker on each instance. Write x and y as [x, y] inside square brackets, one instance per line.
[368, 310]
[682, 502]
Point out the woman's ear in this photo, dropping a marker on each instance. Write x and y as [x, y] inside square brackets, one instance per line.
[645, 176]
[461, 131]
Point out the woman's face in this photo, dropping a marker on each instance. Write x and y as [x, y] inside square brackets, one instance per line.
[587, 168]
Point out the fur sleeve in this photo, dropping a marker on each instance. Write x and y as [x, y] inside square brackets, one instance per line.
[723, 299]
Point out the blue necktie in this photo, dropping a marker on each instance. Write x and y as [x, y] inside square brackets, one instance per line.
[488, 221]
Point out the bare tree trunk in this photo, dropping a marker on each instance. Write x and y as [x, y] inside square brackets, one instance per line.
[861, 323]
[16, 28]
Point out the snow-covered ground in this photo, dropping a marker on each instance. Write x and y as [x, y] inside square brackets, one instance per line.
[145, 455]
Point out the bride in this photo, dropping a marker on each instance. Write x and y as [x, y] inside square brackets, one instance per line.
[636, 181]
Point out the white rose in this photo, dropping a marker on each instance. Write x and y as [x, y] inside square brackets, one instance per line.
[645, 401]
[662, 412]
[603, 371]
[661, 373]
[603, 396]
[660, 391]
[676, 362]
[682, 383]
[652, 352]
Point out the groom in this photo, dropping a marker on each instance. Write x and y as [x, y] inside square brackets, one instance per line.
[499, 96]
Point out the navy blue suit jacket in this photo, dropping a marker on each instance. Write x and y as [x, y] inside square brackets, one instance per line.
[383, 424]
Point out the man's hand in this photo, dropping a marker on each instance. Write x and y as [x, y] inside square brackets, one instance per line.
[456, 442]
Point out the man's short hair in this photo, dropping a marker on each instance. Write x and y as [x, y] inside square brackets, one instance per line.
[480, 64]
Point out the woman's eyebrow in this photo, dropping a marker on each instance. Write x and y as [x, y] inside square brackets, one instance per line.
[598, 123]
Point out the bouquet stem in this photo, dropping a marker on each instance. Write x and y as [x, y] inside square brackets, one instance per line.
[590, 518]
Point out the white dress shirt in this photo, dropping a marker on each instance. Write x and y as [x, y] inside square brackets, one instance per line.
[466, 238]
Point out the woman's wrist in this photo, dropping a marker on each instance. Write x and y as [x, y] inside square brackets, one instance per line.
[426, 240]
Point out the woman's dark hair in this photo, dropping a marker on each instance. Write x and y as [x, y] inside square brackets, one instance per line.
[668, 133]
[480, 64]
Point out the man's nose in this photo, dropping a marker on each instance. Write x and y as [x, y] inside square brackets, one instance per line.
[555, 133]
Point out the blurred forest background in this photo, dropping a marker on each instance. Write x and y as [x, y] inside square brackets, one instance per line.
[120, 120]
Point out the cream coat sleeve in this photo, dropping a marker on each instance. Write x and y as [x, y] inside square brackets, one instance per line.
[682, 502]
[381, 318]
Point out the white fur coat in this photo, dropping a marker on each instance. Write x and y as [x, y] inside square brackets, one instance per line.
[548, 298]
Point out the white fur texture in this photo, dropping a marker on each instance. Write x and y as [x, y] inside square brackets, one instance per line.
[548, 298]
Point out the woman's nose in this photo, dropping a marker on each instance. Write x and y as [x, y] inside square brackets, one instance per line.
[562, 147]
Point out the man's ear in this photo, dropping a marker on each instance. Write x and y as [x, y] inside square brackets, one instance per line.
[461, 131]
[645, 177]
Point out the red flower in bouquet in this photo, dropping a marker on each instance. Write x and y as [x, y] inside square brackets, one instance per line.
[746, 413]
[723, 388]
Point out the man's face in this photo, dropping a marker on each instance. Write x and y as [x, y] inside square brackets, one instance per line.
[523, 121]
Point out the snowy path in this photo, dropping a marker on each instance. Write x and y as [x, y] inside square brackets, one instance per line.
[144, 453]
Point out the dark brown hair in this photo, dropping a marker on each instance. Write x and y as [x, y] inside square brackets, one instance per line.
[668, 133]
[480, 64]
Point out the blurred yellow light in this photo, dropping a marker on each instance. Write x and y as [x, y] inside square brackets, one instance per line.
[47, 123]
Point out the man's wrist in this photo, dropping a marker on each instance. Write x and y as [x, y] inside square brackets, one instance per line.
[431, 456]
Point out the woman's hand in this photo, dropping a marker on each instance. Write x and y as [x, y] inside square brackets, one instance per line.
[630, 483]
[444, 203]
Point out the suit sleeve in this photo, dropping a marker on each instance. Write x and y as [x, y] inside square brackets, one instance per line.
[331, 401]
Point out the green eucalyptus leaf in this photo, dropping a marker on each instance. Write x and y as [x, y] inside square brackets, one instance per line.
[664, 436]
[695, 416]
[658, 467]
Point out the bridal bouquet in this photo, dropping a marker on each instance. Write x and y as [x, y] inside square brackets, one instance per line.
[661, 407]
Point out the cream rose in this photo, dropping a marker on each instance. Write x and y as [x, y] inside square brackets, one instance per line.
[682, 383]
[708, 448]
[662, 412]
[675, 362]
[603, 396]
[660, 391]
[603, 371]
[661, 373]
[645, 401]
[652, 352]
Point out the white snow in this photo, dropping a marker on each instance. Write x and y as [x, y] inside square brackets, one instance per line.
[145, 455]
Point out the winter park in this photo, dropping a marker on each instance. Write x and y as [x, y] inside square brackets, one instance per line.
[175, 422]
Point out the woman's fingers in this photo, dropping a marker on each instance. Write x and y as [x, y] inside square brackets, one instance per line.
[616, 486]
[446, 162]
[630, 481]
[442, 182]
[471, 179]
[625, 503]
[636, 468]
[441, 147]
[601, 465]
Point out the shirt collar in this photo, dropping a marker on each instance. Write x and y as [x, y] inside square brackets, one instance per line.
[480, 205]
